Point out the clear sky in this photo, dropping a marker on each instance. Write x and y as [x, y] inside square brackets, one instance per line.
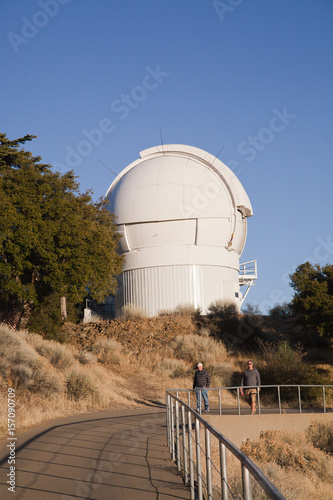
[99, 81]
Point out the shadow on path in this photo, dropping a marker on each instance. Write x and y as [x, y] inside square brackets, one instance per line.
[103, 456]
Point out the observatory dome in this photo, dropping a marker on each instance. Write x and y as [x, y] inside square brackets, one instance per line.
[182, 216]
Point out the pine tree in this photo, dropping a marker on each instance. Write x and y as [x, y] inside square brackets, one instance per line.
[52, 237]
[313, 299]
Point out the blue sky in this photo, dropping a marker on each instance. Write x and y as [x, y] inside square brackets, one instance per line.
[98, 81]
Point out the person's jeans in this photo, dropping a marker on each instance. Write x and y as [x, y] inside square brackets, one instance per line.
[202, 391]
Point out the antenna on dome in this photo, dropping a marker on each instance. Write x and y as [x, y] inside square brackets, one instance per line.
[161, 136]
[108, 168]
[218, 154]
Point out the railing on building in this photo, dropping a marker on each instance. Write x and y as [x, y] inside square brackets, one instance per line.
[186, 450]
[247, 276]
[97, 312]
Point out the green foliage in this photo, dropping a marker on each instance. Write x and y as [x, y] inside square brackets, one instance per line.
[224, 320]
[53, 239]
[236, 330]
[313, 299]
[284, 365]
[251, 310]
[280, 311]
[46, 319]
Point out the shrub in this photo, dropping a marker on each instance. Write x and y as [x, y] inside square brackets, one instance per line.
[321, 435]
[221, 375]
[290, 450]
[80, 386]
[285, 365]
[223, 321]
[195, 348]
[46, 381]
[173, 368]
[107, 351]
[16, 357]
[85, 357]
[129, 311]
[46, 318]
[59, 355]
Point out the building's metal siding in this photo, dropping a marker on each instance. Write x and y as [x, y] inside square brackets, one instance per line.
[154, 289]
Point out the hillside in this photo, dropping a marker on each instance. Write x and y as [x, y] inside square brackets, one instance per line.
[129, 362]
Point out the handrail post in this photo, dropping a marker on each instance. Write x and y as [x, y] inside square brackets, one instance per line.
[185, 459]
[190, 449]
[324, 399]
[238, 401]
[189, 397]
[220, 407]
[224, 471]
[208, 465]
[168, 420]
[173, 431]
[258, 395]
[299, 398]
[279, 398]
[177, 436]
[246, 480]
[200, 401]
[198, 455]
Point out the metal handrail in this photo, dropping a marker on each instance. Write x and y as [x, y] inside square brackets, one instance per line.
[247, 466]
[278, 387]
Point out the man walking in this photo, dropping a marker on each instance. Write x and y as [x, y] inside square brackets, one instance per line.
[251, 378]
[200, 383]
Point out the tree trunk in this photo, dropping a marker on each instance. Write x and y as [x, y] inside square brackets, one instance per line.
[63, 308]
[25, 316]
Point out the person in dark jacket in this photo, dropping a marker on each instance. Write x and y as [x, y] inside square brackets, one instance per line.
[251, 378]
[200, 383]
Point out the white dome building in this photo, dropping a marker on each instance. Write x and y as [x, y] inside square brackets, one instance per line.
[182, 215]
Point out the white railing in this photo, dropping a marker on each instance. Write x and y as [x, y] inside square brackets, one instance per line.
[186, 450]
[248, 271]
[281, 398]
[247, 276]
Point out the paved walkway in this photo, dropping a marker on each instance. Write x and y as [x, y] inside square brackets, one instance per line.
[111, 455]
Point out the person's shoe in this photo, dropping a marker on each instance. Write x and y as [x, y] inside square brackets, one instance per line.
[197, 410]
[253, 412]
[207, 411]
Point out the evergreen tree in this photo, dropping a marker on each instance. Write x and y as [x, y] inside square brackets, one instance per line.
[52, 237]
[313, 299]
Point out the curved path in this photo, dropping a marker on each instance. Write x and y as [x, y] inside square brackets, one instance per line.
[101, 456]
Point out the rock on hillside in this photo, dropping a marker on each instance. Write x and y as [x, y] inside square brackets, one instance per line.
[135, 334]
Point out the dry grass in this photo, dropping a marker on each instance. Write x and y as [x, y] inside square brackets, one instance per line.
[321, 436]
[295, 467]
[130, 311]
[293, 464]
[50, 381]
[107, 351]
[128, 367]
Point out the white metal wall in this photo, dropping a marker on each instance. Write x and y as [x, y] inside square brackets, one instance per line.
[153, 289]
